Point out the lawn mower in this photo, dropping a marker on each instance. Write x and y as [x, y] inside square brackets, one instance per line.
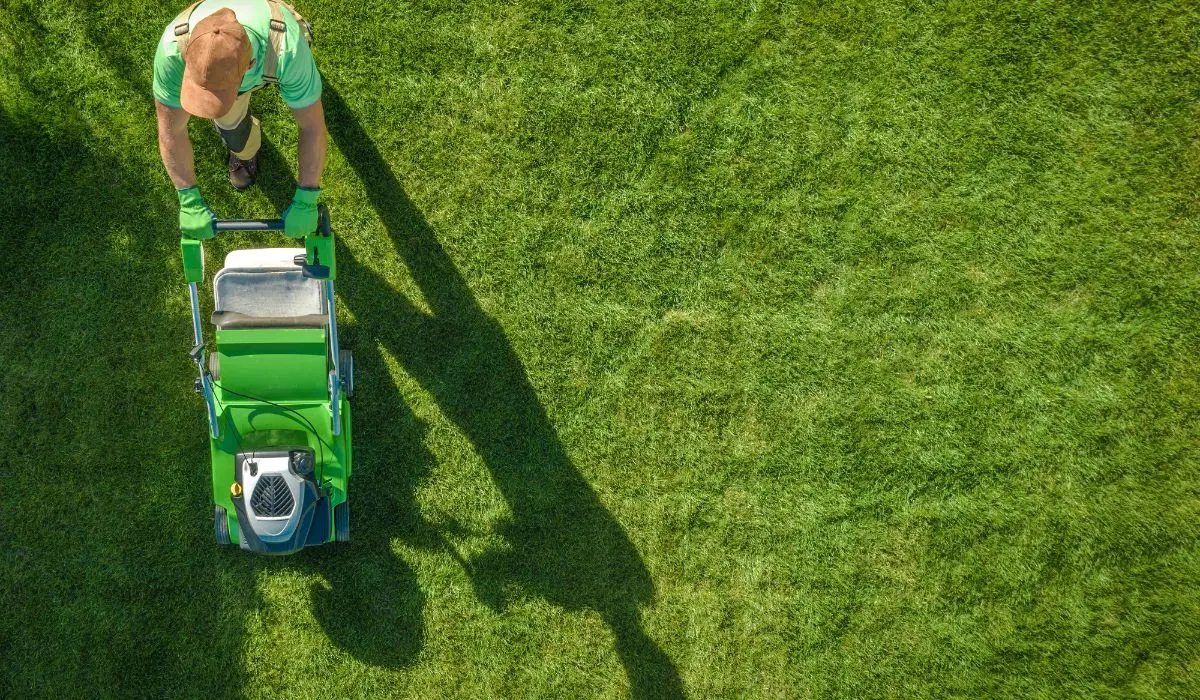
[276, 390]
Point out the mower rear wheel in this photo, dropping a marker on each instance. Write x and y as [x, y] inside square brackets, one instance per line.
[341, 521]
[221, 525]
[346, 365]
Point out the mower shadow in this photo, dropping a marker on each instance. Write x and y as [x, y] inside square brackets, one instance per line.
[563, 545]
[371, 604]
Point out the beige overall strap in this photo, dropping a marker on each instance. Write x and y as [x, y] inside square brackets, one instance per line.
[305, 25]
[183, 28]
[274, 44]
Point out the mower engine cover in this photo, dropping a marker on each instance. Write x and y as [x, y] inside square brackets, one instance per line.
[279, 507]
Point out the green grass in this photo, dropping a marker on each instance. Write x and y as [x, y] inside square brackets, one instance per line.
[753, 349]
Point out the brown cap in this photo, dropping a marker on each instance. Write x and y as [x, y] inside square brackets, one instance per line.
[217, 57]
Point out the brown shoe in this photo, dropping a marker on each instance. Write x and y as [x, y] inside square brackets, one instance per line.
[242, 173]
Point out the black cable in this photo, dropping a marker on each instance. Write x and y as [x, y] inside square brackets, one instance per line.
[240, 452]
[320, 444]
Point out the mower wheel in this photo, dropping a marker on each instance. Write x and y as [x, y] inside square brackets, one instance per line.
[346, 365]
[213, 367]
[341, 521]
[221, 525]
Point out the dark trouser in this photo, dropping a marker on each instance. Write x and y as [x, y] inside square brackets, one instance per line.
[239, 130]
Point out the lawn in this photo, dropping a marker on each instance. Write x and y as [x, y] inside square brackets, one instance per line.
[717, 349]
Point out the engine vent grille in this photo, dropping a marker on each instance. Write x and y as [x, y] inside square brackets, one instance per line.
[272, 498]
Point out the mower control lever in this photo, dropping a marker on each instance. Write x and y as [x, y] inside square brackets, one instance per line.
[314, 271]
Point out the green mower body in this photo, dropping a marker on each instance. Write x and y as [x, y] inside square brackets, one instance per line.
[277, 391]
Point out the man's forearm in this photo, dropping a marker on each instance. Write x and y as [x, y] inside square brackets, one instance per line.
[312, 144]
[176, 152]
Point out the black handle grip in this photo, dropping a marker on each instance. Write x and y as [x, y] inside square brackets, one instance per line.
[248, 225]
[270, 224]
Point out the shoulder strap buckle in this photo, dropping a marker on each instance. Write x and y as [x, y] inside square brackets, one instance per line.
[276, 35]
[183, 28]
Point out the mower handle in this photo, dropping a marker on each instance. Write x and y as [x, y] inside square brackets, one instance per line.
[318, 247]
[270, 224]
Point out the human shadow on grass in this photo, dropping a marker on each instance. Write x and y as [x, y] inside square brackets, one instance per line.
[563, 546]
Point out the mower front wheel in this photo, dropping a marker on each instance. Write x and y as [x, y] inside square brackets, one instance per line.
[221, 525]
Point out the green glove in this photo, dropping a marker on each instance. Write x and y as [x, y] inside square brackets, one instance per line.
[300, 218]
[195, 218]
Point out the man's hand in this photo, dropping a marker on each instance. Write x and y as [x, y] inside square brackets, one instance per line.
[300, 218]
[195, 218]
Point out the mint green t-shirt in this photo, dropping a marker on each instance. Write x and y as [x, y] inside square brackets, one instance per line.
[299, 81]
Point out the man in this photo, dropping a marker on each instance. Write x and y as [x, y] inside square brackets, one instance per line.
[209, 60]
